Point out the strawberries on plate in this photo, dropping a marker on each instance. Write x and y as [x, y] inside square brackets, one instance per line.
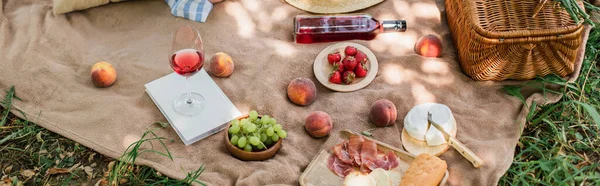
[349, 77]
[348, 66]
[350, 50]
[361, 70]
[349, 63]
[335, 77]
[334, 57]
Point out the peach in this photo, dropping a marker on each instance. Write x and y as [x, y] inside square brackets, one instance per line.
[318, 124]
[429, 46]
[221, 65]
[302, 91]
[383, 113]
[103, 74]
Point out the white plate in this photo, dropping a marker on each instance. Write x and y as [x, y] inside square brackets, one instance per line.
[322, 68]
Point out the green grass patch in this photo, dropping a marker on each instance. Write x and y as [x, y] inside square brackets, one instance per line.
[560, 144]
[32, 155]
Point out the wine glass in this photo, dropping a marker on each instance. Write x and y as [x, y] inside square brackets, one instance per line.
[186, 60]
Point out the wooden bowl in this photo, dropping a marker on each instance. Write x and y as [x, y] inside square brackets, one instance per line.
[250, 156]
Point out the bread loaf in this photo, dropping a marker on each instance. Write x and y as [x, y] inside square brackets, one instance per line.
[359, 179]
[381, 177]
[424, 170]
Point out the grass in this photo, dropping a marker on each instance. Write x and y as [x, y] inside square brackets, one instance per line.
[560, 144]
[32, 155]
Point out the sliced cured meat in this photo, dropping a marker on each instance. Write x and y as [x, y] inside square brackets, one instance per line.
[367, 167]
[342, 153]
[338, 167]
[354, 148]
[368, 151]
[387, 161]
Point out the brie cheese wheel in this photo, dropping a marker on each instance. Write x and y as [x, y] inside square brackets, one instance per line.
[418, 127]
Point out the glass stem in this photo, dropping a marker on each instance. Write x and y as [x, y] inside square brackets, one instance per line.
[189, 99]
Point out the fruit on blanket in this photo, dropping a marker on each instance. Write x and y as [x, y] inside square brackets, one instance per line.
[221, 65]
[103, 74]
[429, 46]
[349, 77]
[302, 91]
[383, 113]
[360, 70]
[349, 63]
[334, 57]
[350, 50]
[335, 77]
[318, 124]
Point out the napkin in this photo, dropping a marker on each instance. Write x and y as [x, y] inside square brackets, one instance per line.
[196, 10]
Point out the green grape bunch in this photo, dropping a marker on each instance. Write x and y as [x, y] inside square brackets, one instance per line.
[254, 133]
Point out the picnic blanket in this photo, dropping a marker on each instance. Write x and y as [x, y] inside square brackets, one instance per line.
[48, 58]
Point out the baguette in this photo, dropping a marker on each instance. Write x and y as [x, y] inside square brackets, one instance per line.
[424, 170]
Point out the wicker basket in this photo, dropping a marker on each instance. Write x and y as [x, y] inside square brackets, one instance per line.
[505, 39]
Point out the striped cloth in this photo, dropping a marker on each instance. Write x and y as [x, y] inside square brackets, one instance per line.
[196, 10]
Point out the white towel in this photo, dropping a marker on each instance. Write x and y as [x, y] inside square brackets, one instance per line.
[196, 10]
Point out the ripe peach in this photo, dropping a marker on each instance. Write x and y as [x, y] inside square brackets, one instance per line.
[318, 124]
[383, 113]
[103, 74]
[221, 65]
[302, 91]
[429, 46]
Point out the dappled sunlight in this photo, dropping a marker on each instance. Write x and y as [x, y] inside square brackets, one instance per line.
[244, 108]
[435, 66]
[283, 48]
[397, 44]
[129, 139]
[377, 45]
[403, 9]
[395, 74]
[425, 10]
[252, 5]
[265, 23]
[246, 26]
[437, 72]
[421, 94]
[279, 13]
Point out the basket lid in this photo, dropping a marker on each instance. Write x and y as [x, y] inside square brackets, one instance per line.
[515, 18]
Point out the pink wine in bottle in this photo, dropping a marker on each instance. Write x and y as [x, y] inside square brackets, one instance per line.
[187, 62]
[327, 28]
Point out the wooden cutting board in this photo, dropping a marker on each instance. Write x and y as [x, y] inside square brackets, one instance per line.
[317, 172]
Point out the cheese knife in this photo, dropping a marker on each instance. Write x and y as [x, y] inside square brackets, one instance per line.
[460, 147]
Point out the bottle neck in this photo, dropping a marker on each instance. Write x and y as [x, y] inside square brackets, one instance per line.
[394, 25]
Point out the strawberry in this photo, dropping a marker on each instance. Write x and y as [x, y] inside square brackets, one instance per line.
[349, 63]
[335, 77]
[349, 77]
[350, 50]
[334, 57]
[361, 57]
[361, 70]
[338, 66]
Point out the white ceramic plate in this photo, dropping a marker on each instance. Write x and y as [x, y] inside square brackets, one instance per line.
[322, 68]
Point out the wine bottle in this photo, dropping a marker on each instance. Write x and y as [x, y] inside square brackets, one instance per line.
[328, 28]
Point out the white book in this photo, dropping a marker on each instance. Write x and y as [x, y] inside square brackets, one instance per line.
[218, 110]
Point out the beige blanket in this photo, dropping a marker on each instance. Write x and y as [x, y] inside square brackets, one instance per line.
[48, 58]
